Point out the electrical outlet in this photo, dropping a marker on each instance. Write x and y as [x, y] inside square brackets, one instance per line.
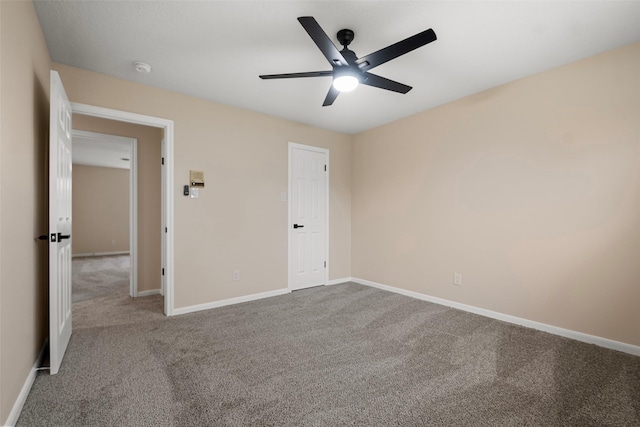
[457, 279]
[236, 275]
[113, 243]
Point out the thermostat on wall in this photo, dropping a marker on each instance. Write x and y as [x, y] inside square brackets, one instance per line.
[196, 178]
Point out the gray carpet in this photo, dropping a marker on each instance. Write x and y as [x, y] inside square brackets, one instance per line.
[95, 277]
[101, 294]
[331, 356]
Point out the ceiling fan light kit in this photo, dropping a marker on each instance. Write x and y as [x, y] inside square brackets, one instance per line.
[348, 71]
[345, 83]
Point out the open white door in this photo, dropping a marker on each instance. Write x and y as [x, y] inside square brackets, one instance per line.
[308, 183]
[59, 223]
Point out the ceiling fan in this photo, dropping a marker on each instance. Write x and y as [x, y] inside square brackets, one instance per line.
[349, 70]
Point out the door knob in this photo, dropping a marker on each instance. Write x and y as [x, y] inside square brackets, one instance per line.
[298, 226]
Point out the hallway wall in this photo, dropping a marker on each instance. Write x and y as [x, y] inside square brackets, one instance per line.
[100, 210]
[24, 132]
[149, 189]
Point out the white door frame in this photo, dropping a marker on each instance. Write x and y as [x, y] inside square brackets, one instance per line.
[293, 145]
[163, 224]
[133, 197]
[167, 173]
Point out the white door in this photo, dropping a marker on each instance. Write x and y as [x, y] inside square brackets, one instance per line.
[59, 223]
[308, 186]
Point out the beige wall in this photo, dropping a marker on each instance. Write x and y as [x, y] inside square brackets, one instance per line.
[239, 221]
[530, 190]
[24, 91]
[100, 209]
[149, 192]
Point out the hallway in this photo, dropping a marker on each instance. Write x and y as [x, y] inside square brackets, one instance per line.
[101, 294]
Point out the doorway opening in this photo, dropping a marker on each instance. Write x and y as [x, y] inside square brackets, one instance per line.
[105, 209]
[165, 265]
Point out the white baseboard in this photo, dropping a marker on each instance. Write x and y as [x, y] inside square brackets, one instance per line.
[338, 281]
[26, 388]
[230, 301]
[148, 293]
[567, 333]
[88, 254]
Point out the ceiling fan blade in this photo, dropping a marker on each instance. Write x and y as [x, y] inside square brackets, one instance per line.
[331, 96]
[395, 50]
[295, 75]
[323, 41]
[374, 80]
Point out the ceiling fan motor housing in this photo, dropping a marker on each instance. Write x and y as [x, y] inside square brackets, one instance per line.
[345, 37]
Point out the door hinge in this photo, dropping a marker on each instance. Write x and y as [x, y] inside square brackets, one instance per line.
[165, 229]
[163, 160]
[325, 168]
[163, 271]
[325, 264]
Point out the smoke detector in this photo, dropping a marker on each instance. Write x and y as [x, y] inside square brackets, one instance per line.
[142, 67]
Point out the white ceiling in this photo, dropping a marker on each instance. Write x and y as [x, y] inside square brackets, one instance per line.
[216, 49]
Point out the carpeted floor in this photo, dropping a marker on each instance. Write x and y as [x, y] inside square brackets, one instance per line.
[101, 294]
[99, 276]
[331, 356]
